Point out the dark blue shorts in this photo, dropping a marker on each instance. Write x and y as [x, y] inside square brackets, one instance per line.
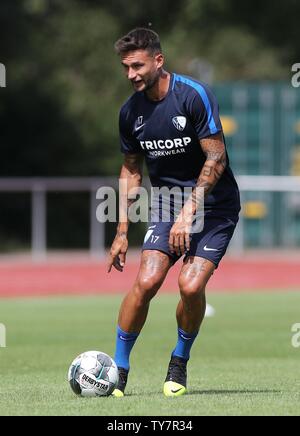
[211, 243]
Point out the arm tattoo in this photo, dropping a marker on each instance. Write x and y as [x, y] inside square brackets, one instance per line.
[214, 150]
[207, 170]
[203, 183]
[216, 161]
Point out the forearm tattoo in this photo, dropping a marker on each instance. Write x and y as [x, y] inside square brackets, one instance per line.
[214, 150]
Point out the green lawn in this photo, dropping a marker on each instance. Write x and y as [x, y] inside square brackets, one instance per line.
[243, 362]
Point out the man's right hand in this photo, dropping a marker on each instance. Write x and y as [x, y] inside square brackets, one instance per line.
[117, 255]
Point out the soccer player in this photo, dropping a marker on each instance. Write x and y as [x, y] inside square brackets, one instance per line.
[172, 122]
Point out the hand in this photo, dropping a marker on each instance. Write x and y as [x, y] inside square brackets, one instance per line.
[179, 240]
[117, 256]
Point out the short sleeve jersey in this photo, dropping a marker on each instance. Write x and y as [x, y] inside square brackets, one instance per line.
[167, 133]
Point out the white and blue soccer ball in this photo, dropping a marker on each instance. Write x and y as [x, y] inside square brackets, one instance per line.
[93, 374]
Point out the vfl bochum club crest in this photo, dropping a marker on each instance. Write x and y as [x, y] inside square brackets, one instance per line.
[179, 123]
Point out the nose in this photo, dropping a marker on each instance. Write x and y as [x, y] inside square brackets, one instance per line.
[131, 74]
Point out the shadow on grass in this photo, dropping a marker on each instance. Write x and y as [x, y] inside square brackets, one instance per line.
[232, 392]
[207, 392]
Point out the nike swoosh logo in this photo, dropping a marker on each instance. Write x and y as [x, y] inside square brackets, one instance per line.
[209, 249]
[187, 339]
[125, 339]
[151, 227]
[177, 390]
[139, 127]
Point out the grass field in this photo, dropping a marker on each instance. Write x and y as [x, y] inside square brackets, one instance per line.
[243, 362]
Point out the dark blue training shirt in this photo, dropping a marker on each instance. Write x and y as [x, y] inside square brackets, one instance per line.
[168, 131]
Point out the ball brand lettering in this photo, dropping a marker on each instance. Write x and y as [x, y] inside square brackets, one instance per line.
[94, 383]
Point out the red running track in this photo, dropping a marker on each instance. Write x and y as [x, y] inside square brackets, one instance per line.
[24, 278]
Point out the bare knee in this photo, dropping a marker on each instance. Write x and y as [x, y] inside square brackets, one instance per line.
[190, 290]
[146, 288]
[193, 278]
[153, 269]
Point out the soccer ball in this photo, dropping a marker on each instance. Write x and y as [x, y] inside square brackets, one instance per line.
[93, 374]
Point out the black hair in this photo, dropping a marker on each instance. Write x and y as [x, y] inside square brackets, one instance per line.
[139, 39]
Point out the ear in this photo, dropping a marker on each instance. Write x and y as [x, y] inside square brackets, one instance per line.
[159, 58]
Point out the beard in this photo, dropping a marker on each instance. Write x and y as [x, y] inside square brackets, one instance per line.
[151, 82]
[148, 83]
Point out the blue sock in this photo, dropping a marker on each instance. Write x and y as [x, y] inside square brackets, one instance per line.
[184, 344]
[124, 344]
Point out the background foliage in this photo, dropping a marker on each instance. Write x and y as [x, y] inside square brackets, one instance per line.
[59, 112]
